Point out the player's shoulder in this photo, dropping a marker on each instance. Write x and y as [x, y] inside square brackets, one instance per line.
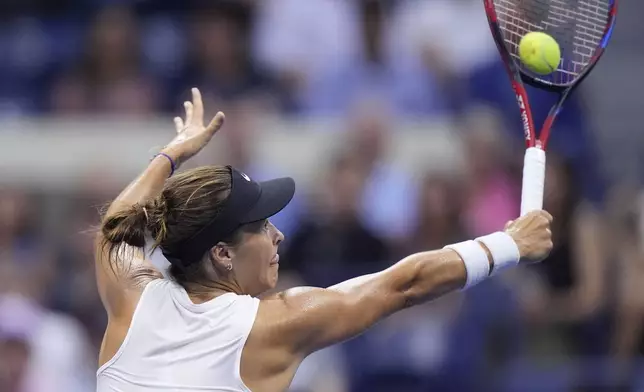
[285, 320]
[285, 307]
[298, 310]
[292, 296]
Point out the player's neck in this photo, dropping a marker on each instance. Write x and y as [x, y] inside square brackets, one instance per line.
[203, 292]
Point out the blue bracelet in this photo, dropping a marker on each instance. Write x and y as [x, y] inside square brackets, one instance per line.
[172, 165]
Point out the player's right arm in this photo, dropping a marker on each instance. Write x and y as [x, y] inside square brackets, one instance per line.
[307, 319]
[121, 268]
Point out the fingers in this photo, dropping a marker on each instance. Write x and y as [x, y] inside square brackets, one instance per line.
[548, 232]
[216, 123]
[542, 213]
[178, 124]
[194, 114]
[507, 225]
[189, 112]
[198, 106]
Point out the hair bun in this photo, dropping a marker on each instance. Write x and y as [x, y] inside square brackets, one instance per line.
[158, 217]
[128, 226]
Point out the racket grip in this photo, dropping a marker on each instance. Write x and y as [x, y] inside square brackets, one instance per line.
[534, 175]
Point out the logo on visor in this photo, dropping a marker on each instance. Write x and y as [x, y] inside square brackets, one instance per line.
[245, 176]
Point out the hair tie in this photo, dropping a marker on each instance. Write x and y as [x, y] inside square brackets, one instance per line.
[173, 165]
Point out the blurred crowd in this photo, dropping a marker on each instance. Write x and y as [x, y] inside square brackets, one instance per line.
[573, 322]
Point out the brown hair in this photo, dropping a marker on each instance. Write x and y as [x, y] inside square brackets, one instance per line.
[189, 201]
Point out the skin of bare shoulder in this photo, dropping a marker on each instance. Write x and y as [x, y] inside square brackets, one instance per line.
[294, 323]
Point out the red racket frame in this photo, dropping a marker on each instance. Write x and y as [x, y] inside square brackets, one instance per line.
[518, 77]
[535, 158]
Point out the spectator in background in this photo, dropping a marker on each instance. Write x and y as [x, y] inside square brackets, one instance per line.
[14, 225]
[28, 54]
[299, 41]
[15, 231]
[626, 209]
[58, 351]
[21, 246]
[439, 214]
[51, 351]
[491, 190]
[75, 291]
[388, 200]
[574, 276]
[108, 79]
[419, 347]
[364, 65]
[15, 355]
[334, 244]
[434, 32]
[220, 59]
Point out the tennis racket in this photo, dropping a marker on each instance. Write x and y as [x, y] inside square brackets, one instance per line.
[582, 28]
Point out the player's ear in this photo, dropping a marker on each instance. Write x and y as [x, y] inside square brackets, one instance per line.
[221, 256]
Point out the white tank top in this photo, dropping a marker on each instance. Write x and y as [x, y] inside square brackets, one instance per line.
[176, 345]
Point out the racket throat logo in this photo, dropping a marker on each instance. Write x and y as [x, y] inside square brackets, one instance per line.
[524, 117]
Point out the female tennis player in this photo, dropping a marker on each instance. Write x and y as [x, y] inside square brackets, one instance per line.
[205, 329]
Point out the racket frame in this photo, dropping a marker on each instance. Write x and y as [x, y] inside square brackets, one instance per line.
[535, 159]
[518, 77]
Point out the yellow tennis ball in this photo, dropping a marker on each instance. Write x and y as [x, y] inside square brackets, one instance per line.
[539, 52]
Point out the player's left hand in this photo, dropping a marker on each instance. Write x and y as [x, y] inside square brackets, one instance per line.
[192, 135]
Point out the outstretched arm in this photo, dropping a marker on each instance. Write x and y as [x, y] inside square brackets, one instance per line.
[121, 274]
[307, 319]
[328, 316]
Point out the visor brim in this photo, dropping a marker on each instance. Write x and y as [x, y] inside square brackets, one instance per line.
[275, 196]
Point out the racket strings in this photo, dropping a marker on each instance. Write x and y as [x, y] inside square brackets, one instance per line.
[578, 26]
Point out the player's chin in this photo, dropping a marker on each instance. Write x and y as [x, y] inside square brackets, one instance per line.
[271, 275]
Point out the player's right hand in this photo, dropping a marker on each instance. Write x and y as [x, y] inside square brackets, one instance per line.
[192, 135]
[533, 236]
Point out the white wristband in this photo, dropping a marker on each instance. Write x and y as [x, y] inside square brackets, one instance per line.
[504, 250]
[476, 261]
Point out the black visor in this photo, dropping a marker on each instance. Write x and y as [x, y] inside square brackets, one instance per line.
[248, 202]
